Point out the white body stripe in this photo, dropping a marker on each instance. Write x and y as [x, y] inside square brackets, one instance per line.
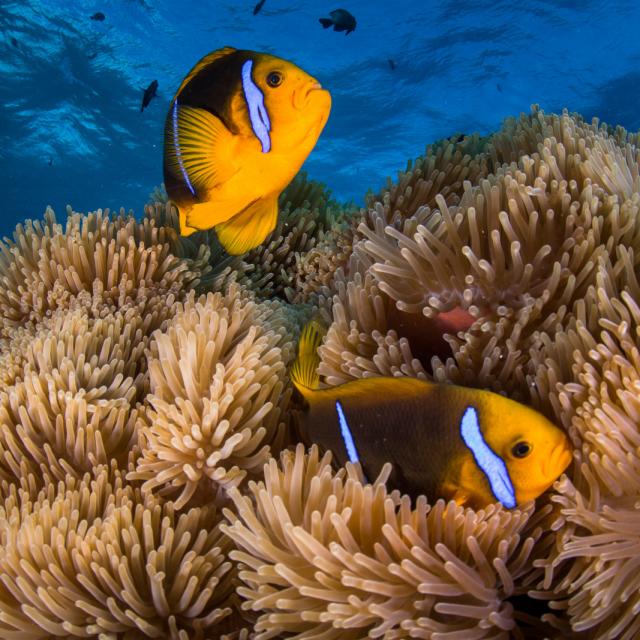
[347, 436]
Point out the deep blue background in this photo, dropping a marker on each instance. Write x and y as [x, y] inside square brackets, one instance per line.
[70, 90]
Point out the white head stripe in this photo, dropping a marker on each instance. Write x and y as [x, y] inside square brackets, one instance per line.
[258, 115]
[491, 464]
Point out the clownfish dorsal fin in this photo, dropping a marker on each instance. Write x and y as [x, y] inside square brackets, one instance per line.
[205, 62]
[304, 372]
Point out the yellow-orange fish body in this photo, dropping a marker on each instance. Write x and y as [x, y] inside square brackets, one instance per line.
[469, 445]
[238, 130]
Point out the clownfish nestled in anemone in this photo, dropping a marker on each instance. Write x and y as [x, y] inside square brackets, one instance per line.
[237, 132]
[469, 445]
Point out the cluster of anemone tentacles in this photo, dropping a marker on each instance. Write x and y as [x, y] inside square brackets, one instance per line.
[150, 485]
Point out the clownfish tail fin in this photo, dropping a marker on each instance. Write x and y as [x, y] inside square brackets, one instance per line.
[304, 371]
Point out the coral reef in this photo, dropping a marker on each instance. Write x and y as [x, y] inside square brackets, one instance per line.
[150, 485]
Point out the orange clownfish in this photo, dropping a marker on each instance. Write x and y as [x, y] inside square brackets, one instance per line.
[237, 132]
[469, 445]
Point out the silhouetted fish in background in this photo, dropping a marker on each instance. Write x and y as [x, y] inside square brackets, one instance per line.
[341, 20]
[98, 15]
[14, 42]
[392, 64]
[259, 6]
[149, 93]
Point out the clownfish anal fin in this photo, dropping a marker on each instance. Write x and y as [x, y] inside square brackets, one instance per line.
[185, 229]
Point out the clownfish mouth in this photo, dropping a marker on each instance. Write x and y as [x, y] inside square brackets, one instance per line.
[550, 470]
[557, 462]
[308, 92]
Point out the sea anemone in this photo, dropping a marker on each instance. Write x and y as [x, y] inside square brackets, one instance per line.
[591, 573]
[74, 405]
[217, 392]
[287, 264]
[324, 555]
[516, 252]
[91, 557]
[116, 258]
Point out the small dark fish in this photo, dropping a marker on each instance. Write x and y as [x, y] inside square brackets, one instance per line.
[50, 162]
[149, 92]
[98, 15]
[14, 42]
[341, 20]
[259, 6]
[392, 64]
[499, 87]
[91, 56]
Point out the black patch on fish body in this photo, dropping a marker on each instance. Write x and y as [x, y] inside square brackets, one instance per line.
[213, 87]
[404, 421]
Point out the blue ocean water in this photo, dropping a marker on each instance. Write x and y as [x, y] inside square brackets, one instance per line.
[71, 130]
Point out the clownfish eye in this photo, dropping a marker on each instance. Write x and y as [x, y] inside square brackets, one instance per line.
[274, 79]
[521, 449]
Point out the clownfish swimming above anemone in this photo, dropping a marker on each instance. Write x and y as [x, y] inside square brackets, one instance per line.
[238, 130]
[469, 445]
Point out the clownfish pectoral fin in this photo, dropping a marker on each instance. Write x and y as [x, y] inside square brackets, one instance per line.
[249, 227]
[451, 491]
[461, 498]
[199, 150]
[304, 372]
